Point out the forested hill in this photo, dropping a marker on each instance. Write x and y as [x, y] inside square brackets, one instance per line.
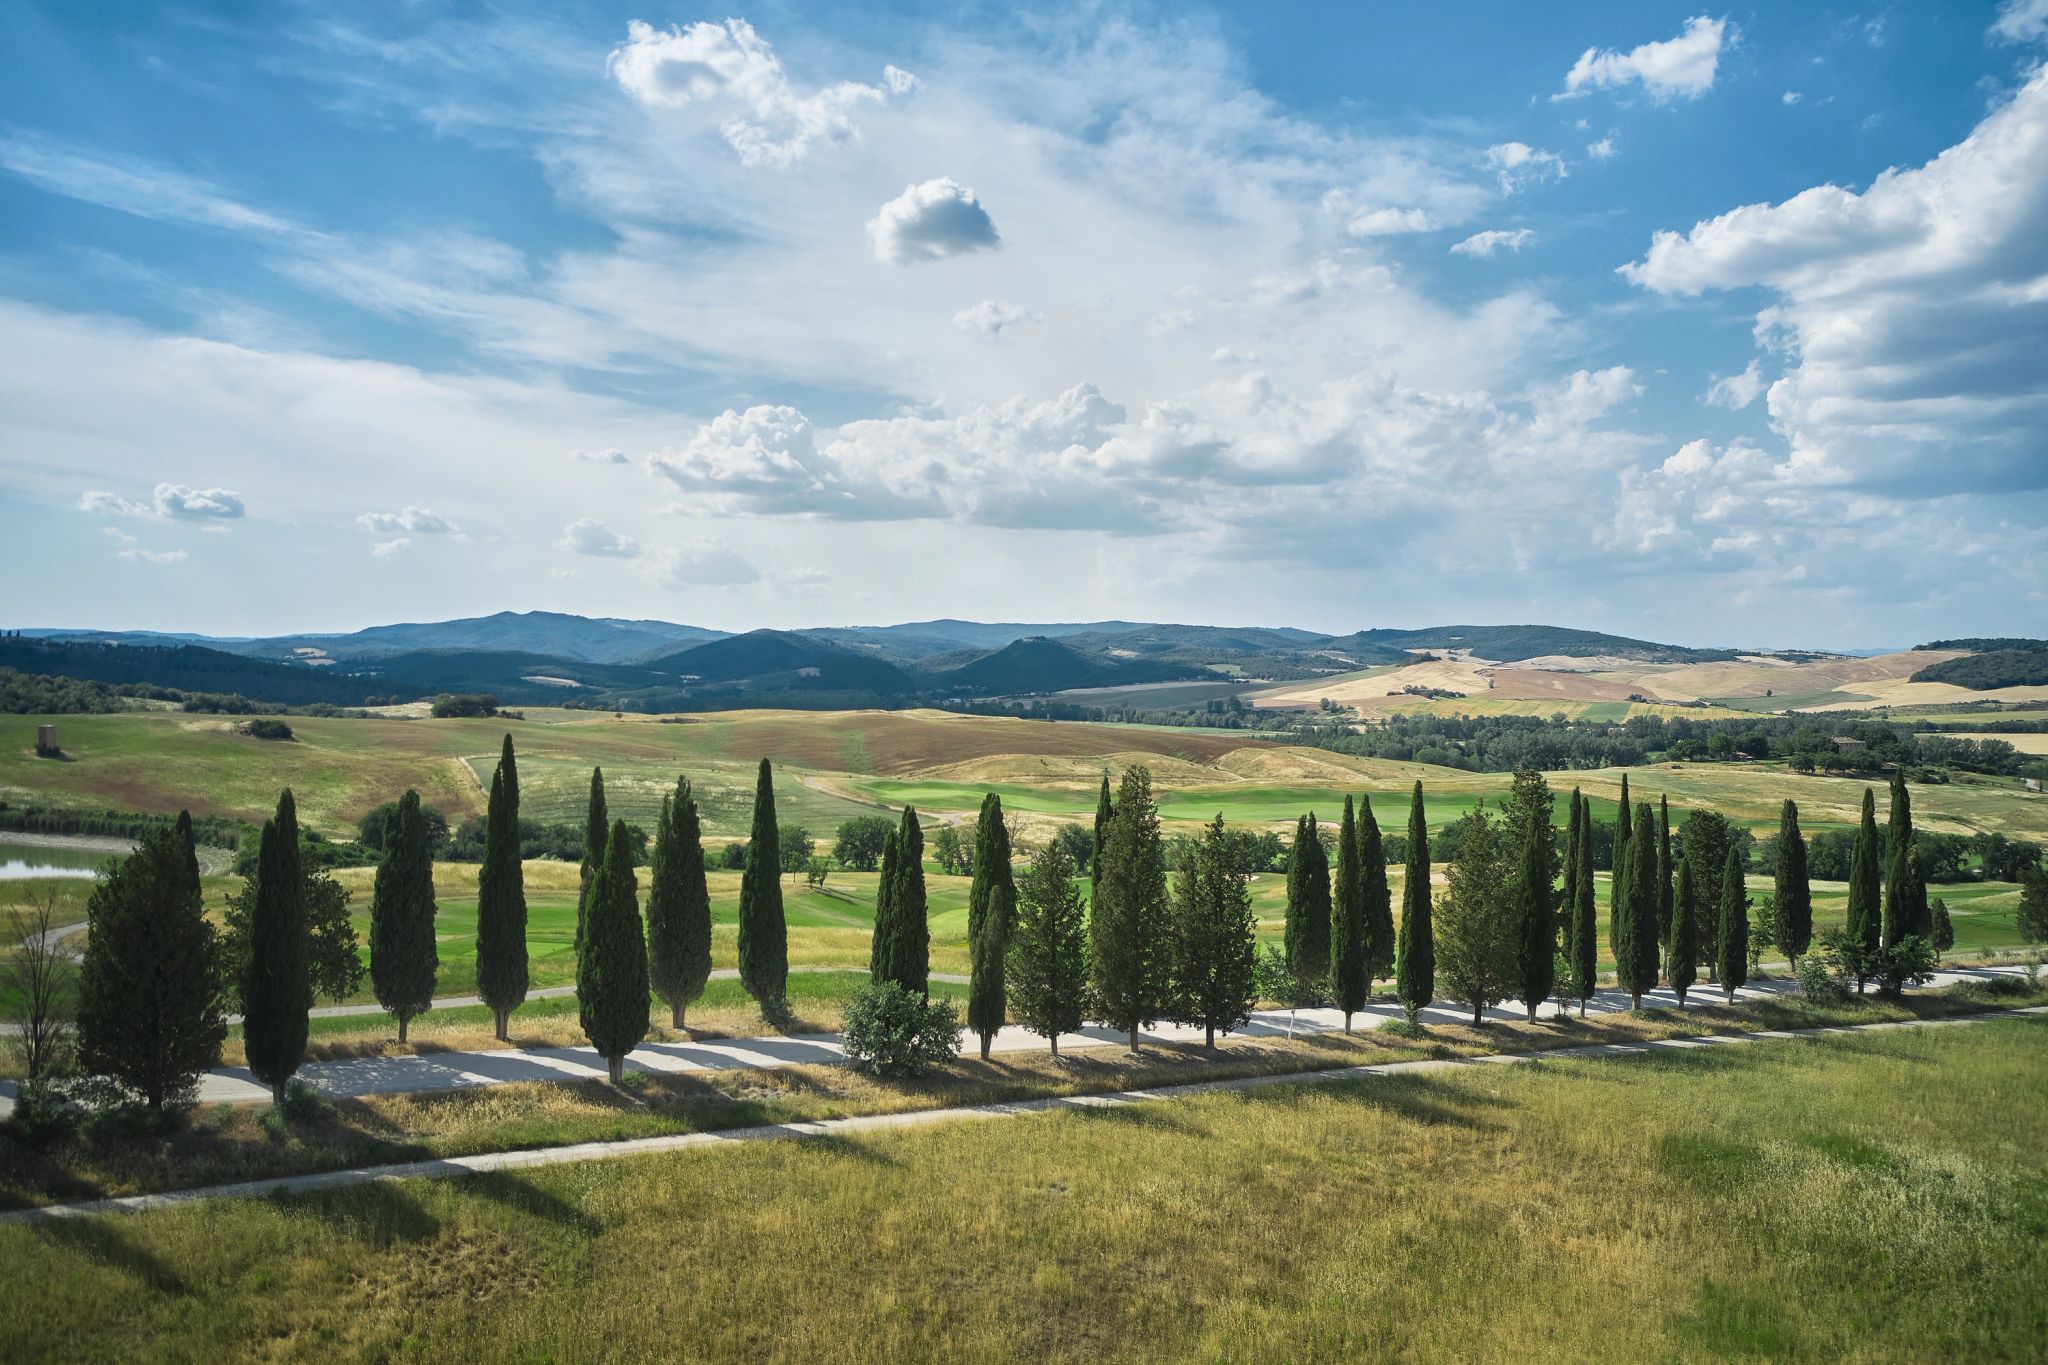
[192, 668]
[1998, 668]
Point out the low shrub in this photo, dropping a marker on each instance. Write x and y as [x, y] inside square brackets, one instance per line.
[891, 1032]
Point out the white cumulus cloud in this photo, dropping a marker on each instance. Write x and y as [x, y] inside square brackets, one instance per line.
[1913, 315]
[931, 221]
[1677, 68]
[992, 317]
[413, 520]
[731, 71]
[1493, 240]
[1389, 222]
[176, 500]
[1518, 165]
[1737, 390]
[589, 536]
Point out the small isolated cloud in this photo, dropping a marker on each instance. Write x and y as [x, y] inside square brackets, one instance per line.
[1737, 391]
[1230, 355]
[589, 536]
[194, 504]
[1389, 222]
[930, 222]
[609, 456]
[171, 500]
[413, 520]
[384, 549]
[2022, 21]
[731, 72]
[132, 549]
[1677, 68]
[94, 500]
[1494, 240]
[804, 580]
[1519, 165]
[1602, 150]
[139, 555]
[1793, 96]
[992, 317]
[706, 563]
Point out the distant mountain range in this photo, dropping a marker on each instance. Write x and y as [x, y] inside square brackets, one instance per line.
[542, 657]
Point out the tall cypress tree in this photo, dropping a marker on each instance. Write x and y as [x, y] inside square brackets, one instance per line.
[1297, 882]
[1568, 897]
[148, 1013]
[1864, 885]
[1734, 949]
[991, 911]
[1618, 876]
[278, 993]
[1538, 946]
[1585, 917]
[1664, 888]
[403, 958]
[611, 974]
[1684, 968]
[906, 952]
[882, 945]
[596, 829]
[1905, 896]
[678, 906]
[1378, 899]
[764, 935]
[1308, 919]
[1350, 979]
[1636, 961]
[1104, 809]
[1131, 959]
[501, 977]
[1793, 892]
[1415, 953]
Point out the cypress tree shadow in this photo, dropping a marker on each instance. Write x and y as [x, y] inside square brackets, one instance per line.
[523, 1196]
[101, 1240]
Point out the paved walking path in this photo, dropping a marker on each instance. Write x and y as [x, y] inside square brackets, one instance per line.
[531, 1158]
[353, 1077]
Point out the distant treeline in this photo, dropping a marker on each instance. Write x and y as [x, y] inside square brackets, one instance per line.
[187, 668]
[2015, 667]
[1986, 644]
[44, 694]
[212, 830]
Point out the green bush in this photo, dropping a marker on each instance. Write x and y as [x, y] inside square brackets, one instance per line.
[267, 729]
[304, 1104]
[1818, 985]
[43, 1114]
[890, 1031]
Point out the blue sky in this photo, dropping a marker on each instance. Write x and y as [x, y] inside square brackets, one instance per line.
[1717, 326]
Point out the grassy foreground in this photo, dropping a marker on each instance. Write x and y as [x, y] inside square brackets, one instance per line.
[1775, 1202]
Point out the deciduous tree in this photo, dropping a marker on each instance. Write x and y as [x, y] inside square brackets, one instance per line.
[1047, 971]
[148, 1011]
[1132, 960]
[1212, 938]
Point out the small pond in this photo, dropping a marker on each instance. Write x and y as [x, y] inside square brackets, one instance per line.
[21, 861]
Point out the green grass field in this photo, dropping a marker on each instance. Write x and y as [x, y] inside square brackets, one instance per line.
[1774, 1202]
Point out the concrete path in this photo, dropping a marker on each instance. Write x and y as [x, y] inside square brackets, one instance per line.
[450, 1070]
[456, 1002]
[533, 1158]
